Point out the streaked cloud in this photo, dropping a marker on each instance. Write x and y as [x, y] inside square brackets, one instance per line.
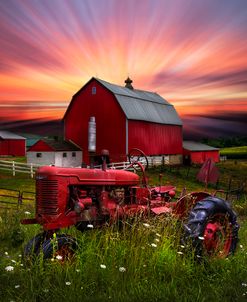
[191, 52]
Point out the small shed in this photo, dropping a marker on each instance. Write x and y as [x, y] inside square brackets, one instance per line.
[54, 152]
[31, 139]
[12, 144]
[198, 153]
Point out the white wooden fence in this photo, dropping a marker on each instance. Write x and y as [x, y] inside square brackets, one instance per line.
[30, 169]
[152, 162]
[14, 167]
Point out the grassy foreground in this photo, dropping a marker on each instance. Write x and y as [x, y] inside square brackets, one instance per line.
[141, 261]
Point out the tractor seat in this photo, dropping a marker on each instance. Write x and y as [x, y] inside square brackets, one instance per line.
[163, 189]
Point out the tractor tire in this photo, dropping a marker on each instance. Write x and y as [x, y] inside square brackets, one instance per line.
[212, 228]
[32, 248]
[62, 248]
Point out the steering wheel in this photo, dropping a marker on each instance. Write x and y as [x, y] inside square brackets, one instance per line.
[134, 158]
[138, 156]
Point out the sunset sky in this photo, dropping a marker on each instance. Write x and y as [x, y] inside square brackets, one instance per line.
[191, 52]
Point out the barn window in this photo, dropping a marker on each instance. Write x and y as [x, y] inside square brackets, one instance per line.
[93, 90]
[73, 154]
[39, 155]
[64, 154]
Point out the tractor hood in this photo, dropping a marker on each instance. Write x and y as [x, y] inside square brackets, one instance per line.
[89, 176]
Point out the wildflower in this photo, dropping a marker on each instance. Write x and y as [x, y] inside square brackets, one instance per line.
[198, 256]
[77, 270]
[103, 266]
[201, 238]
[90, 226]
[68, 283]
[158, 235]
[20, 255]
[180, 253]
[59, 257]
[27, 213]
[6, 253]
[21, 264]
[9, 268]
[17, 286]
[146, 225]
[157, 240]
[52, 259]
[144, 265]
[45, 290]
[12, 260]
[153, 245]
[182, 246]
[244, 284]
[241, 246]
[122, 269]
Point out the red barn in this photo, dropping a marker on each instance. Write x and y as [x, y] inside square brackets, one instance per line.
[198, 153]
[126, 118]
[12, 144]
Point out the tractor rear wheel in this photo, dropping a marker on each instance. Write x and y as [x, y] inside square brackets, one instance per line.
[212, 228]
[61, 247]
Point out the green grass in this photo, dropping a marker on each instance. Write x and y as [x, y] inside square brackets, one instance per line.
[234, 152]
[153, 273]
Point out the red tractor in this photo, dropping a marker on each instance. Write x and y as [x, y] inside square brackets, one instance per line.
[88, 198]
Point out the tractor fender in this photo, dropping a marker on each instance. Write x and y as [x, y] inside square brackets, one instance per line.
[186, 202]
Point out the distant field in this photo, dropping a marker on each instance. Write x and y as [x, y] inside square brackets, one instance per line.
[234, 152]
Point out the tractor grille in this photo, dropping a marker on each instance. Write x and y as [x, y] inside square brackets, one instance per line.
[47, 197]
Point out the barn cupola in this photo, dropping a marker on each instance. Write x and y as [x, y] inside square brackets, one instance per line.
[128, 82]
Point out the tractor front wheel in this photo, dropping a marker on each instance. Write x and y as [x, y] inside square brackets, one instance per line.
[212, 228]
[32, 248]
[61, 247]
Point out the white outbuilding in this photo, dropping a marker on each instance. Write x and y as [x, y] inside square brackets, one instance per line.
[54, 152]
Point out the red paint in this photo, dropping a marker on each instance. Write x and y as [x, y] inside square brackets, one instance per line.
[110, 121]
[217, 237]
[13, 147]
[155, 139]
[40, 146]
[199, 157]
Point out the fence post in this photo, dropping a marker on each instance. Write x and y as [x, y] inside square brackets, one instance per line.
[20, 196]
[31, 170]
[13, 168]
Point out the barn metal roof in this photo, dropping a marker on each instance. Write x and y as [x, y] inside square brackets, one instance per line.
[143, 105]
[10, 135]
[195, 146]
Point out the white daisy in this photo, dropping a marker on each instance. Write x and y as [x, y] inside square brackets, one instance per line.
[9, 268]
